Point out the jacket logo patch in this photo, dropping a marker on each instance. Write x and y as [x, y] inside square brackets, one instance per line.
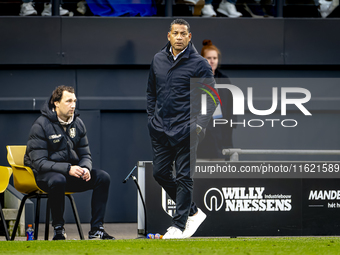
[54, 136]
[72, 132]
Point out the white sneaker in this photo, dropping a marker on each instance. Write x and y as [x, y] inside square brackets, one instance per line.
[327, 7]
[48, 10]
[193, 223]
[81, 7]
[208, 11]
[173, 233]
[27, 9]
[228, 9]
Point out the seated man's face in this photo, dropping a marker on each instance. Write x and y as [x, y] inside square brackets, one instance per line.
[66, 106]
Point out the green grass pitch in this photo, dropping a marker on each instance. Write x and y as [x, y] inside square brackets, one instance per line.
[195, 246]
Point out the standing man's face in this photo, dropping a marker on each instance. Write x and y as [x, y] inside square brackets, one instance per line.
[179, 38]
[65, 108]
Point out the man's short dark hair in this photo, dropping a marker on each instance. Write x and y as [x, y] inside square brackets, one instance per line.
[57, 94]
[180, 22]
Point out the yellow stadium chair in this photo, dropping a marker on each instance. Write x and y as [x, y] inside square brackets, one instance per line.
[24, 182]
[5, 174]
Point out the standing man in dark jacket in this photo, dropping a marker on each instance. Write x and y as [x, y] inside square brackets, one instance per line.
[175, 123]
[59, 154]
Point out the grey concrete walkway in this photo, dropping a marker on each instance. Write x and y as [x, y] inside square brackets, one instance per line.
[118, 230]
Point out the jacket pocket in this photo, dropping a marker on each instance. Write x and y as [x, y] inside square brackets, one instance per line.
[154, 131]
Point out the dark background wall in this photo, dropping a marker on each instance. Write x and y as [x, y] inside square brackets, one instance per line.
[107, 61]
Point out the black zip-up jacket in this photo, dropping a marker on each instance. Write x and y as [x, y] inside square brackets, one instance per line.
[173, 106]
[50, 148]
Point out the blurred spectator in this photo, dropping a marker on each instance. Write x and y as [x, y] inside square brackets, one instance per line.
[197, 6]
[326, 7]
[27, 9]
[122, 7]
[226, 7]
[81, 7]
[256, 10]
[218, 137]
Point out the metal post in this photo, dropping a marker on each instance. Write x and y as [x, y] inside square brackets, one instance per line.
[37, 217]
[47, 220]
[76, 216]
[279, 8]
[168, 8]
[55, 7]
[234, 156]
[3, 220]
[233, 153]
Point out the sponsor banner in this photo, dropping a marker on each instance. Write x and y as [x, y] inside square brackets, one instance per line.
[321, 206]
[252, 207]
[234, 207]
[249, 207]
[233, 199]
[245, 199]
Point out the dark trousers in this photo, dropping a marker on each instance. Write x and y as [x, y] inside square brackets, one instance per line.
[179, 187]
[56, 184]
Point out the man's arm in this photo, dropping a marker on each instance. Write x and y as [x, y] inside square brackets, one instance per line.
[206, 77]
[83, 149]
[37, 149]
[151, 93]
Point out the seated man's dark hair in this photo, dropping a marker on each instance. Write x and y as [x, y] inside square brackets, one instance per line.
[57, 94]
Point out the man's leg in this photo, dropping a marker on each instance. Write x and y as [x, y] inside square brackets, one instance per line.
[99, 183]
[182, 185]
[185, 163]
[163, 157]
[57, 184]
[54, 184]
[187, 212]
[99, 197]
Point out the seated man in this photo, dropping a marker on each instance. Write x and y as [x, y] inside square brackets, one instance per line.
[59, 154]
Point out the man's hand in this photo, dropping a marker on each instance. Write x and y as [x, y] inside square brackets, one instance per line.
[86, 175]
[79, 172]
